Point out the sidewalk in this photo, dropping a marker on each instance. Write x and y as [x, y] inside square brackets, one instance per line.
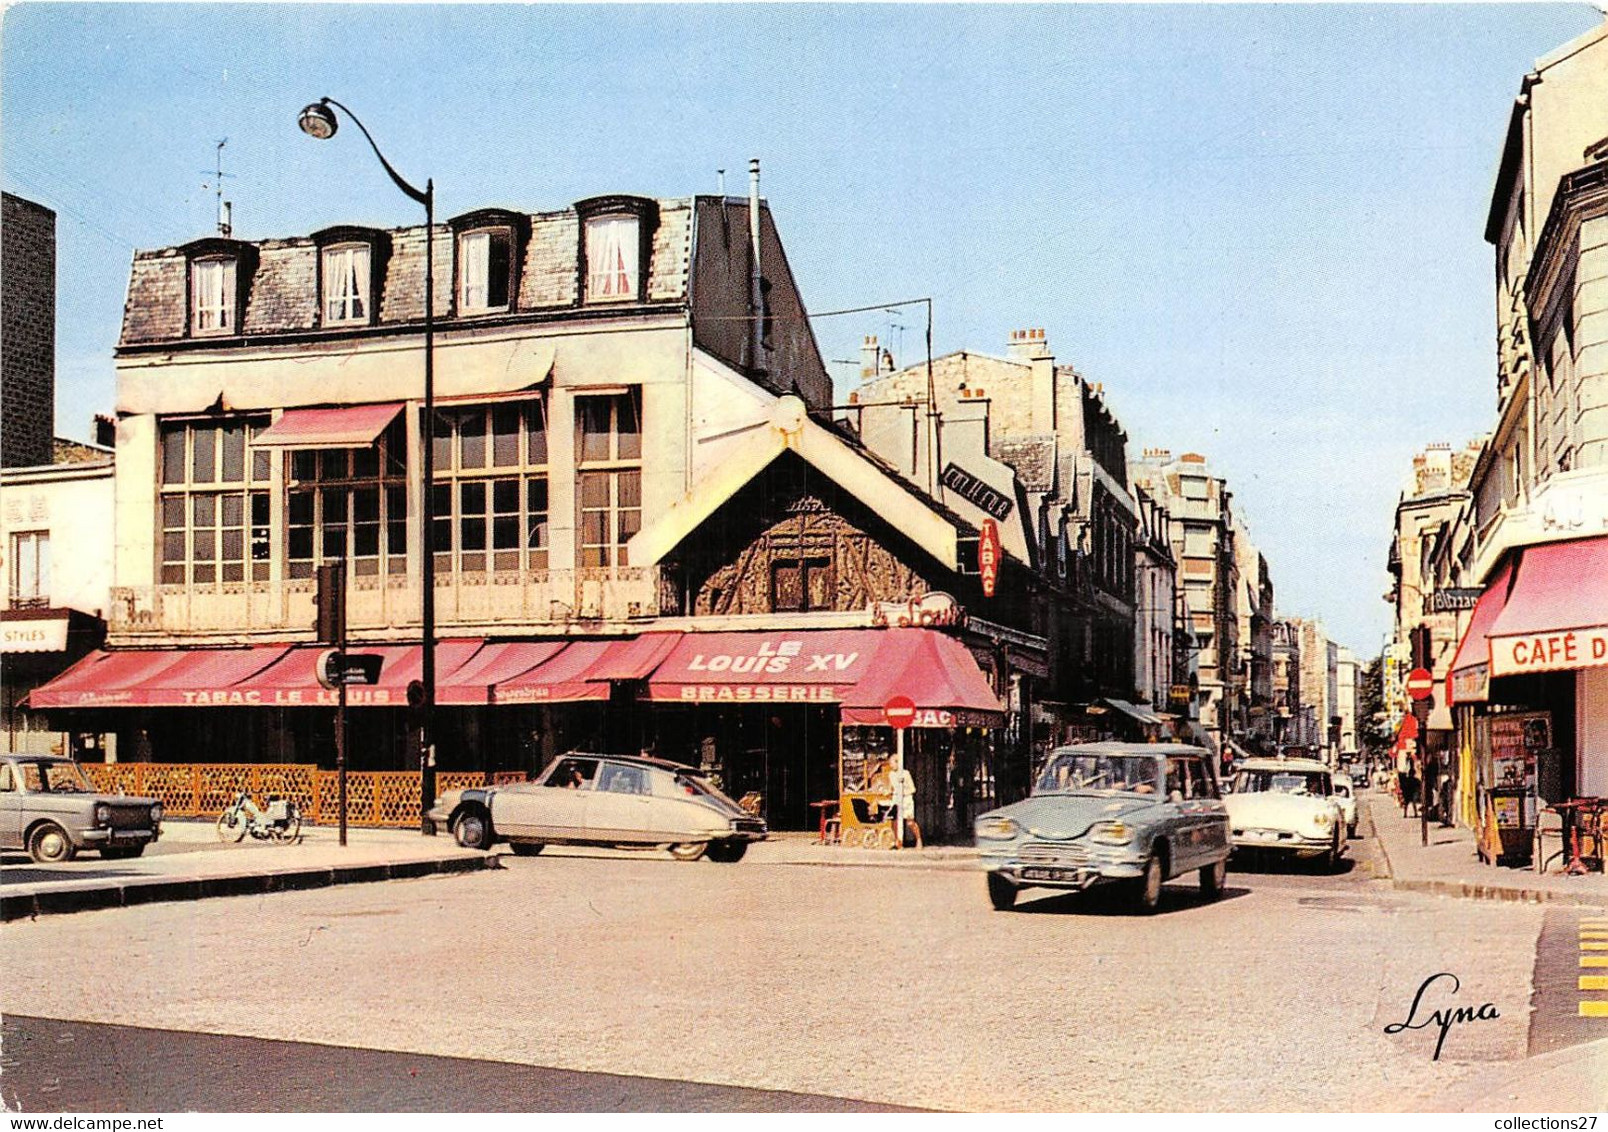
[189, 863]
[1449, 865]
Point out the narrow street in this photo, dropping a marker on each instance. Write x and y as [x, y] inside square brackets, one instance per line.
[895, 986]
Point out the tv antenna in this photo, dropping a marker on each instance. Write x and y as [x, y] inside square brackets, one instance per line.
[225, 208]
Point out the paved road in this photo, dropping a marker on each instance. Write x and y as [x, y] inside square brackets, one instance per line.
[887, 985]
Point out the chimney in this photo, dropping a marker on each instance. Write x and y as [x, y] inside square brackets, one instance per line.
[1030, 346]
[870, 357]
[756, 297]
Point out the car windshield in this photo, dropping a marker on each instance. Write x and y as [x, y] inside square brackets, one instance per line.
[54, 778]
[1073, 772]
[1282, 782]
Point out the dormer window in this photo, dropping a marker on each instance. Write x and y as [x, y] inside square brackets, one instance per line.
[351, 270]
[612, 247]
[220, 273]
[486, 251]
[483, 259]
[347, 276]
[213, 293]
[616, 247]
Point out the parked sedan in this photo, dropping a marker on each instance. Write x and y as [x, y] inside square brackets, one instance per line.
[1287, 806]
[49, 808]
[1133, 814]
[613, 800]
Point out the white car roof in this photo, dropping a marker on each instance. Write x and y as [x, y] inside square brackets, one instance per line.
[1304, 766]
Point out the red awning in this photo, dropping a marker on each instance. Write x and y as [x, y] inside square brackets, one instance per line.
[497, 661]
[937, 672]
[584, 670]
[351, 426]
[168, 678]
[1468, 680]
[292, 682]
[1556, 617]
[859, 668]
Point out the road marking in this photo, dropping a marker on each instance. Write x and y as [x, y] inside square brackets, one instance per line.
[1594, 982]
[1594, 945]
[1594, 960]
[1597, 1009]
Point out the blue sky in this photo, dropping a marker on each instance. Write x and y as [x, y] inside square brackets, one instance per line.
[1261, 227]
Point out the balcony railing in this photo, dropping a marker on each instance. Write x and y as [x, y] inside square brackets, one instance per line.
[390, 602]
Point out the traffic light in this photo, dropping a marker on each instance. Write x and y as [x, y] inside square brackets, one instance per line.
[415, 714]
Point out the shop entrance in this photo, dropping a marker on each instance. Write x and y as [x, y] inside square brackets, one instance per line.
[786, 753]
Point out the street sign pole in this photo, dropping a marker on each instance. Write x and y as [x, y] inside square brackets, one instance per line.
[340, 714]
[1420, 687]
[900, 712]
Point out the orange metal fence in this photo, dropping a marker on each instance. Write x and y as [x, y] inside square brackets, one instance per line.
[202, 790]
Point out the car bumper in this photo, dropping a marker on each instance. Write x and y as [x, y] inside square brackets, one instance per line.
[96, 838]
[1281, 841]
[1074, 869]
[438, 816]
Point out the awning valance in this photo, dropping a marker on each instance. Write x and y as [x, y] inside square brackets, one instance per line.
[1556, 617]
[1470, 676]
[1139, 713]
[936, 672]
[584, 670]
[348, 426]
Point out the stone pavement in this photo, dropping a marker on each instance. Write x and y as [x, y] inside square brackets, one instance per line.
[1449, 865]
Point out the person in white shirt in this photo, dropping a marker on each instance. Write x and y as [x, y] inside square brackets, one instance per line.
[904, 803]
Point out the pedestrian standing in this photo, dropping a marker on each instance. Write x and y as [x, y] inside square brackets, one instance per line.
[904, 805]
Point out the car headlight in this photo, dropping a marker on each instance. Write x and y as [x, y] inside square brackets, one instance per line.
[156, 812]
[998, 829]
[1323, 819]
[1111, 833]
[103, 814]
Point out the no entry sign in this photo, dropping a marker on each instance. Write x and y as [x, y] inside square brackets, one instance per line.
[900, 710]
[1420, 683]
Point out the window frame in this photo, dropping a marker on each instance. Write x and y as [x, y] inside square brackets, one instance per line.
[619, 467]
[226, 299]
[488, 224]
[387, 479]
[37, 541]
[361, 279]
[199, 479]
[457, 479]
[613, 210]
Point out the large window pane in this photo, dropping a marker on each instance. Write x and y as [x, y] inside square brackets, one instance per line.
[203, 456]
[173, 454]
[595, 417]
[630, 430]
[472, 440]
[234, 453]
[505, 435]
[536, 430]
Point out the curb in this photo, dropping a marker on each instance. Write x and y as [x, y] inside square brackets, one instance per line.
[154, 890]
[1478, 890]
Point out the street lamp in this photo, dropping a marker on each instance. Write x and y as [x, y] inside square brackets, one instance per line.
[318, 120]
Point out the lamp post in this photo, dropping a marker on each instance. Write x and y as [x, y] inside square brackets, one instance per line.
[318, 120]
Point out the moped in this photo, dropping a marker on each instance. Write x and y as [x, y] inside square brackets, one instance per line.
[280, 821]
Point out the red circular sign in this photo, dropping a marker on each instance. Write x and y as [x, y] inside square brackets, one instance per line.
[900, 710]
[1420, 683]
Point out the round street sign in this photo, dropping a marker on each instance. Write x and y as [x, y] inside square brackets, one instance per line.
[900, 710]
[1420, 683]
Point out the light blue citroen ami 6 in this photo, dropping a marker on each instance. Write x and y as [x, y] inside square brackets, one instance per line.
[1135, 814]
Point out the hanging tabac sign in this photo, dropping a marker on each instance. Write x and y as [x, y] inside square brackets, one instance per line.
[988, 556]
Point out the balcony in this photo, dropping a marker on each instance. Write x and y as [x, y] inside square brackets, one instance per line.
[388, 606]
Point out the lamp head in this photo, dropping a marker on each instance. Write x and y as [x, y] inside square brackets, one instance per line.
[318, 121]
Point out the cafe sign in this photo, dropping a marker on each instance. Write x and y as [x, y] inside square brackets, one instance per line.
[1550, 652]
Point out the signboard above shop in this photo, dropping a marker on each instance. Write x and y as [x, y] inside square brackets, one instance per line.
[1452, 600]
[973, 490]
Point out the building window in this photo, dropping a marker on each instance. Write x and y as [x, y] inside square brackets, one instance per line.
[213, 296]
[347, 278]
[30, 570]
[1193, 487]
[214, 503]
[491, 506]
[801, 585]
[609, 479]
[613, 252]
[351, 504]
[485, 262]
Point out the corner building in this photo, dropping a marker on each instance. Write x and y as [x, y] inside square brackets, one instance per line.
[649, 533]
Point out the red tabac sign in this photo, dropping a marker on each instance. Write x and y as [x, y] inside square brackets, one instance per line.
[988, 556]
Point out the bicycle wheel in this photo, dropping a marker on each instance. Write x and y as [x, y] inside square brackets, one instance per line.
[232, 825]
[292, 831]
